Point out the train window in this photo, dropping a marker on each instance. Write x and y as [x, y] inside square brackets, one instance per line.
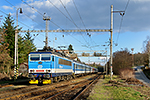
[65, 62]
[34, 57]
[76, 67]
[45, 57]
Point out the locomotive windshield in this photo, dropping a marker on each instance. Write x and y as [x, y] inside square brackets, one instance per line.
[34, 57]
[45, 57]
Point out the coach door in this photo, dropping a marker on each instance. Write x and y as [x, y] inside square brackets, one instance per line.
[74, 66]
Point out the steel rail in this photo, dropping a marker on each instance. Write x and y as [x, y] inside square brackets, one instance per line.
[79, 95]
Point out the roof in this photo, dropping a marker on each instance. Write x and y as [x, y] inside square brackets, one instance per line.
[40, 53]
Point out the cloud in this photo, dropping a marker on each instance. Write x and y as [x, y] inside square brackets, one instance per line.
[94, 13]
[32, 16]
[7, 7]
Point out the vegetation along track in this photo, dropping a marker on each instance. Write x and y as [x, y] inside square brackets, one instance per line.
[61, 90]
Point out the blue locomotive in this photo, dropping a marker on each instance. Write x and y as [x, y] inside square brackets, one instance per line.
[45, 67]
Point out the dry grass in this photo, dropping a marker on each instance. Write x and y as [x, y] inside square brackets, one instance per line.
[126, 73]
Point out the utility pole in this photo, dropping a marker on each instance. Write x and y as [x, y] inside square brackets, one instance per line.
[47, 25]
[111, 39]
[111, 42]
[16, 45]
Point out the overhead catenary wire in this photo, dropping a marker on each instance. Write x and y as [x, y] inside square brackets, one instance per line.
[28, 17]
[81, 19]
[79, 14]
[67, 17]
[52, 21]
[23, 13]
[63, 14]
[31, 7]
[55, 24]
[68, 13]
[122, 20]
[40, 13]
[18, 20]
[60, 11]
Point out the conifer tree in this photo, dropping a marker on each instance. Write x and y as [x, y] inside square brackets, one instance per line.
[8, 25]
[25, 47]
[70, 48]
[5, 60]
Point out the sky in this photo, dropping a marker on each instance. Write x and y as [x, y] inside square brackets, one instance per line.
[129, 30]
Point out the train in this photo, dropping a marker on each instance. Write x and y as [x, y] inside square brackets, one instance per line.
[46, 67]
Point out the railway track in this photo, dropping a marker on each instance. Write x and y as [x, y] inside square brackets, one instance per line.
[63, 90]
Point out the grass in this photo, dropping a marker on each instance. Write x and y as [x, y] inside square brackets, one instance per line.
[104, 90]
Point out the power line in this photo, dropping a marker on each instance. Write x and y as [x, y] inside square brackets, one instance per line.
[122, 20]
[27, 16]
[50, 20]
[68, 12]
[79, 14]
[127, 5]
[63, 14]
[81, 18]
[31, 7]
[23, 13]
[39, 13]
[18, 21]
[67, 17]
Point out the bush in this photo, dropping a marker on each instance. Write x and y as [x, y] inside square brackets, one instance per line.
[126, 73]
[121, 59]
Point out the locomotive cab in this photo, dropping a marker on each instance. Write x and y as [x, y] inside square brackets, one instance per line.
[40, 66]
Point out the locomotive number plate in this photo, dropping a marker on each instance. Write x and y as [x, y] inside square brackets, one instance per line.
[39, 62]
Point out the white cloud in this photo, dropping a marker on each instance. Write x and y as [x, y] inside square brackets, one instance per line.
[7, 7]
[29, 10]
[47, 3]
[38, 4]
[58, 3]
[32, 16]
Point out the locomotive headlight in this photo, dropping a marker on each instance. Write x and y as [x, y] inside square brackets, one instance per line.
[47, 71]
[32, 71]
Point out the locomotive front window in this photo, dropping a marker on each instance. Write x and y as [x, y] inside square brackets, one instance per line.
[45, 57]
[34, 57]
